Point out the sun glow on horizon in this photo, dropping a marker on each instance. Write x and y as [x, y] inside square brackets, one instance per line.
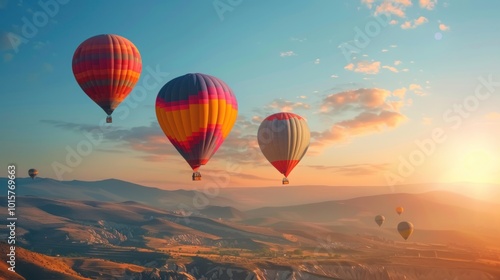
[475, 165]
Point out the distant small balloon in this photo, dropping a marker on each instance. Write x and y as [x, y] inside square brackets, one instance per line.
[32, 173]
[379, 219]
[405, 229]
[399, 210]
[438, 36]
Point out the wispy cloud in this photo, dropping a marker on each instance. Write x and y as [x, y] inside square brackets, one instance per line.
[417, 89]
[365, 98]
[149, 140]
[364, 169]
[283, 105]
[373, 112]
[390, 68]
[364, 123]
[389, 7]
[287, 53]
[419, 21]
[428, 4]
[365, 67]
[372, 122]
[443, 27]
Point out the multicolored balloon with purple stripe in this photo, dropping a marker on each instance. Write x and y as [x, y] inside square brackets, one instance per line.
[107, 67]
[284, 139]
[196, 112]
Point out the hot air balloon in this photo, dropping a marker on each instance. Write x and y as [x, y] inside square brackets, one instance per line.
[405, 229]
[32, 173]
[196, 112]
[107, 67]
[399, 210]
[379, 219]
[283, 139]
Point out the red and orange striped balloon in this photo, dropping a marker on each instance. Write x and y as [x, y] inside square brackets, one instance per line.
[107, 67]
[196, 112]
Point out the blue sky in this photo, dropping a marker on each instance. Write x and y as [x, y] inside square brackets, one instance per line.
[365, 109]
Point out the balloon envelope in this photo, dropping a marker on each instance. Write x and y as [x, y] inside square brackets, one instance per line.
[107, 67]
[399, 210]
[32, 173]
[379, 219]
[284, 139]
[405, 229]
[196, 112]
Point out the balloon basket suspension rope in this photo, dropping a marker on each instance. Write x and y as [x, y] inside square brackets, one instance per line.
[285, 181]
[109, 119]
[196, 176]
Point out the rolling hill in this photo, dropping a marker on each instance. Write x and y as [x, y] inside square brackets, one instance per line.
[113, 190]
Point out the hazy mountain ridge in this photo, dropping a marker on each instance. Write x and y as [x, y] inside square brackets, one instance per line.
[242, 199]
[113, 190]
[417, 208]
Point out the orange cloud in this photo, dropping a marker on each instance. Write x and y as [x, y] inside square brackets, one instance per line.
[377, 113]
[364, 123]
[370, 122]
[419, 21]
[286, 106]
[364, 67]
[428, 4]
[403, 2]
[396, 105]
[389, 8]
[400, 92]
[370, 98]
[443, 27]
